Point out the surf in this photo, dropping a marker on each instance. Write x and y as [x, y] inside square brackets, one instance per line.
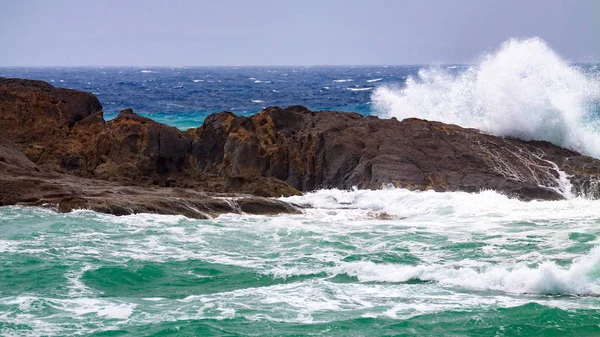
[523, 89]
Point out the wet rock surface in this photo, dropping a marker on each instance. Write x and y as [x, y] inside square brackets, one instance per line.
[56, 149]
[312, 150]
[23, 183]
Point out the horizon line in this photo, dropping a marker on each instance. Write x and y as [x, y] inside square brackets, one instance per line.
[235, 66]
[259, 66]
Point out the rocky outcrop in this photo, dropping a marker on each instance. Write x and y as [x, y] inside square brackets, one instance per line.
[312, 150]
[57, 150]
[23, 182]
[38, 117]
[64, 131]
[11, 158]
[136, 147]
[277, 152]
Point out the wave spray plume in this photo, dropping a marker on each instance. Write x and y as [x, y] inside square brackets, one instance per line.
[524, 89]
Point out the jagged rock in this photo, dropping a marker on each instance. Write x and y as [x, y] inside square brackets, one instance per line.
[11, 158]
[64, 131]
[112, 166]
[22, 182]
[138, 147]
[277, 152]
[37, 117]
[311, 150]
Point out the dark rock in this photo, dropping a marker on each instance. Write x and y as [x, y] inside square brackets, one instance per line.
[64, 131]
[12, 158]
[342, 150]
[37, 117]
[255, 205]
[139, 148]
[278, 152]
[21, 183]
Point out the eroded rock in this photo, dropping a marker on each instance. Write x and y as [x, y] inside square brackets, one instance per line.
[277, 152]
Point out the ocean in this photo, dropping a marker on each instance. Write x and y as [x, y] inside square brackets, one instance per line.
[354, 263]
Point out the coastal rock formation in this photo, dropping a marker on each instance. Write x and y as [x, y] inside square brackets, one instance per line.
[64, 130]
[38, 118]
[312, 150]
[138, 147]
[22, 182]
[58, 137]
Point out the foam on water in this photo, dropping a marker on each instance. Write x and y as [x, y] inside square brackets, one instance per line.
[581, 278]
[406, 204]
[392, 253]
[524, 89]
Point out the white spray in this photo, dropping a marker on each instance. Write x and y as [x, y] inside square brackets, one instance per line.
[524, 89]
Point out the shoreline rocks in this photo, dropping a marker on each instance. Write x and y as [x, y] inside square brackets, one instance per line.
[52, 137]
[23, 183]
[312, 150]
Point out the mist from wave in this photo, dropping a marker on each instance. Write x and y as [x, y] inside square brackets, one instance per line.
[524, 89]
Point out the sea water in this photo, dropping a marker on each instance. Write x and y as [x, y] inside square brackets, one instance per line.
[354, 263]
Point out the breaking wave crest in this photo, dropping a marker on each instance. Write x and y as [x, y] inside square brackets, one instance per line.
[581, 278]
[524, 89]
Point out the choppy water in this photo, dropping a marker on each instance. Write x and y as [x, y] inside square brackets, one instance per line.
[183, 97]
[360, 263]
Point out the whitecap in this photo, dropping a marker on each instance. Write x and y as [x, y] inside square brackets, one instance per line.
[103, 308]
[524, 90]
[374, 80]
[359, 89]
[343, 81]
[548, 278]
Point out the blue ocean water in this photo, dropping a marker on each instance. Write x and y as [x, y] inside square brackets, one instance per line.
[184, 96]
[438, 264]
[523, 90]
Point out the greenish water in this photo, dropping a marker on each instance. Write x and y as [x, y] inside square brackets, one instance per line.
[361, 263]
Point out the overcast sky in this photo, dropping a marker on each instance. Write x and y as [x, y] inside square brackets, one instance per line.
[286, 32]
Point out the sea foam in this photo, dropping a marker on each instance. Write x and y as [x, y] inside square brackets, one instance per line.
[581, 278]
[524, 89]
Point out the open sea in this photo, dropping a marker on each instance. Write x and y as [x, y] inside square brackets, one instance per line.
[356, 263]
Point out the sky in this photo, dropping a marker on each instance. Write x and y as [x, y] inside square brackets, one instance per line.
[282, 32]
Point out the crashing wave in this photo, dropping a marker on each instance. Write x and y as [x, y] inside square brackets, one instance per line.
[524, 89]
[581, 278]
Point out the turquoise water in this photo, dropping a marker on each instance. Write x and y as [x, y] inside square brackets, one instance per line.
[183, 97]
[360, 263]
[357, 263]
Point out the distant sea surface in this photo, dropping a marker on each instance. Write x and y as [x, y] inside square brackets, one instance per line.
[390, 262]
[182, 97]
